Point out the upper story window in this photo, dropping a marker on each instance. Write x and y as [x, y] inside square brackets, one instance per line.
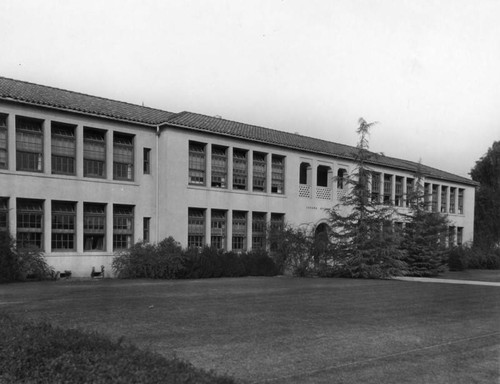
[435, 197]
[94, 153]
[63, 149]
[398, 198]
[461, 201]
[197, 163]
[341, 178]
[444, 194]
[146, 161]
[29, 223]
[278, 174]
[259, 172]
[427, 196]
[240, 169]
[3, 141]
[453, 197]
[387, 188]
[123, 156]
[410, 188]
[29, 144]
[376, 188]
[219, 167]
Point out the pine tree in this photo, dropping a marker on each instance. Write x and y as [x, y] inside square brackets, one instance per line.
[424, 235]
[362, 238]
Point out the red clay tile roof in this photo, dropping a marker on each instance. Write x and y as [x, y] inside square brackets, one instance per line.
[78, 102]
[34, 94]
[304, 143]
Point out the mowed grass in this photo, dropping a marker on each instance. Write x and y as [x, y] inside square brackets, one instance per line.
[288, 330]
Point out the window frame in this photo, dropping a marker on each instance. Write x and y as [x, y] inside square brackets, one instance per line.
[4, 141]
[239, 231]
[68, 136]
[30, 223]
[259, 178]
[94, 153]
[123, 226]
[278, 174]
[196, 228]
[123, 156]
[29, 144]
[63, 212]
[146, 161]
[219, 163]
[218, 229]
[94, 225]
[197, 163]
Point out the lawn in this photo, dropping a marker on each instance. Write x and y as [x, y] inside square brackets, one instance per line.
[286, 330]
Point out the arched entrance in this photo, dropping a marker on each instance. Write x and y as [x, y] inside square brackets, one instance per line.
[321, 241]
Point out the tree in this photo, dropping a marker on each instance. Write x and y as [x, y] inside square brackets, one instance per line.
[363, 241]
[487, 204]
[424, 235]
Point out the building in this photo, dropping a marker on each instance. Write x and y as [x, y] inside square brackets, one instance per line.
[83, 177]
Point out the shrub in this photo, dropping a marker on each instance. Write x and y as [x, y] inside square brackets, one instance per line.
[40, 353]
[33, 265]
[472, 257]
[156, 261]
[258, 263]
[9, 262]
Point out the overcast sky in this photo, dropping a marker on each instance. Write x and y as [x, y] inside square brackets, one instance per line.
[427, 71]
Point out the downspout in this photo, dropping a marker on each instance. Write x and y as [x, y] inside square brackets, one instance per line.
[157, 173]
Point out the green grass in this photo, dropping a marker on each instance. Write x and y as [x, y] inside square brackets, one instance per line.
[286, 330]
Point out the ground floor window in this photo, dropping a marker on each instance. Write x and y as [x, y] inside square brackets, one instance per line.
[63, 226]
[196, 228]
[218, 229]
[460, 236]
[239, 242]
[4, 213]
[123, 226]
[258, 230]
[29, 223]
[146, 229]
[94, 227]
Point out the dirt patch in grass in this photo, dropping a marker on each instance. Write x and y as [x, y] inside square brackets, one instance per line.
[286, 330]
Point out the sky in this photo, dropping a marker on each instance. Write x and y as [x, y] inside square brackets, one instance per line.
[427, 71]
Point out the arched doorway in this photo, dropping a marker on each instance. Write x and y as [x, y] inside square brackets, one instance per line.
[321, 241]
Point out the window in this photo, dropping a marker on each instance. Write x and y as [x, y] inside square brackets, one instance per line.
[219, 167]
[197, 163]
[63, 149]
[341, 173]
[278, 174]
[4, 213]
[146, 161]
[387, 189]
[123, 157]
[94, 227]
[427, 197]
[259, 172]
[398, 198]
[434, 198]
[376, 188]
[239, 231]
[277, 225]
[460, 236]
[63, 226]
[323, 176]
[29, 223]
[196, 228]
[218, 229]
[3, 141]
[29, 144]
[453, 200]
[258, 230]
[240, 174]
[451, 236]
[146, 229]
[461, 201]
[94, 153]
[409, 191]
[444, 195]
[123, 226]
